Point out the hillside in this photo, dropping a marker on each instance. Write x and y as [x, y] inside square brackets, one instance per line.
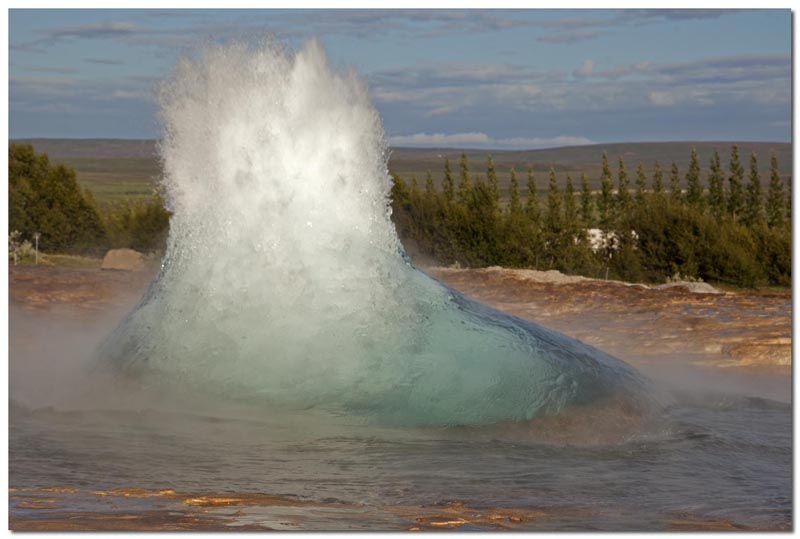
[115, 168]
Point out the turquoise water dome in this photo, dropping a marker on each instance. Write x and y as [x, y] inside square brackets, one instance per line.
[284, 280]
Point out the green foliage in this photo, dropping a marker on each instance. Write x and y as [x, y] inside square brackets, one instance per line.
[735, 194]
[675, 193]
[463, 180]
[754, 210]
[429, 188]
[605, 205]
[623, 190]
[140, 224]
[658, 179]
[641, 184]
[448, 187]
[652, 240]
[694, 191]
[775, 196]
[716, 187]
[532, 203]
[494, 189]
[47, 199]
[515, 207]
[586, 202]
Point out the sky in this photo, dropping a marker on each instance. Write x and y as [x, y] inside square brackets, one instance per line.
[508, 79]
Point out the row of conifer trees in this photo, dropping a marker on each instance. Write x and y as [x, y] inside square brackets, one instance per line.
[726, 229]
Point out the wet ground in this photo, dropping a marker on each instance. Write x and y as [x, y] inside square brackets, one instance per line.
[643, 324]
[719, 459]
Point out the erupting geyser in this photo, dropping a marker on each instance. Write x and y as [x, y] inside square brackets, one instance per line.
[284, 279]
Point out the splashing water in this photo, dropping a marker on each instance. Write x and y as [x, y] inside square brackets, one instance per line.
[284, 279]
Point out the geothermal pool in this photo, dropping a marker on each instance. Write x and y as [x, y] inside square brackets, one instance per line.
[711, 459]
[289, 359]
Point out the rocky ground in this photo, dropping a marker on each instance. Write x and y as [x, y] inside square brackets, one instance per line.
[641, 324]
[89, 292]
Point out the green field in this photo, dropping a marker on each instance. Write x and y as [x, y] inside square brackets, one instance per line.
[115, 169]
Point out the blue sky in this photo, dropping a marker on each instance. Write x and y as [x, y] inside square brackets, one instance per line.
[476, 78]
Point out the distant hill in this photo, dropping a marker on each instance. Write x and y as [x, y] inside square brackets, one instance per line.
[118, 167]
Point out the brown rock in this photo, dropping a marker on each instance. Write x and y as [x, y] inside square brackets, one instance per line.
[124, 260]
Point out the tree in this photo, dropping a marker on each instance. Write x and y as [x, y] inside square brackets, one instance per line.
[735, 194]
[605, 205]
[716, 187]
[694, 191]
[753, 207]
[658, 180]
[429, 187]
[641, 185]
[623, 191]
[586, 202]
[775, 196]
[464, 186]
[448, 187]
[570, 209]
[491, 175]
[553, 217]
[675, 183]
[514, 207]
[47, 199]
[532, 204]
[554, 226]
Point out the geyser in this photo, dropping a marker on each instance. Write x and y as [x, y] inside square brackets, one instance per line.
[284, 279]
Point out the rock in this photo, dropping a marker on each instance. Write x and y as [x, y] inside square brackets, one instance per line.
[124, 260]
[691, 286]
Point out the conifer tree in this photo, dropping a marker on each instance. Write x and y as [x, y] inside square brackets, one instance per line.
[674, 183]
[623, 190]
[586, 202]
[464, 187]
[658, 179]
[553, 217]
[448, 189]
[605, 205]
[716, 187]
[532, 204]
[694, 191]
[735, 194]
[491, 175]
[754, 206]
[775, 200]
[641, 185]
[570, 209]
[514, 207]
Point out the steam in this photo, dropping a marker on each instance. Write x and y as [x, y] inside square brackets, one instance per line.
[284, 280]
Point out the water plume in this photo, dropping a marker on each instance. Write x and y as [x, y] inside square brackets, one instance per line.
[284, 279]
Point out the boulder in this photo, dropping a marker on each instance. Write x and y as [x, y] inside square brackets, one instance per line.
[124, 260]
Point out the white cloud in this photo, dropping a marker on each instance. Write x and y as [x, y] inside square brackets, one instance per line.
[482, 140]
[669, 98]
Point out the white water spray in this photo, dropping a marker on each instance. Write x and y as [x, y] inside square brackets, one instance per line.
[284, 279]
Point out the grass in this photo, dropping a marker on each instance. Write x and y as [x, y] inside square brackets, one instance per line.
[118, 169]
[71, 261]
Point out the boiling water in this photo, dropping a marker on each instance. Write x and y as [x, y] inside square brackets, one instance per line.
[284, 279]
[288, 347]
